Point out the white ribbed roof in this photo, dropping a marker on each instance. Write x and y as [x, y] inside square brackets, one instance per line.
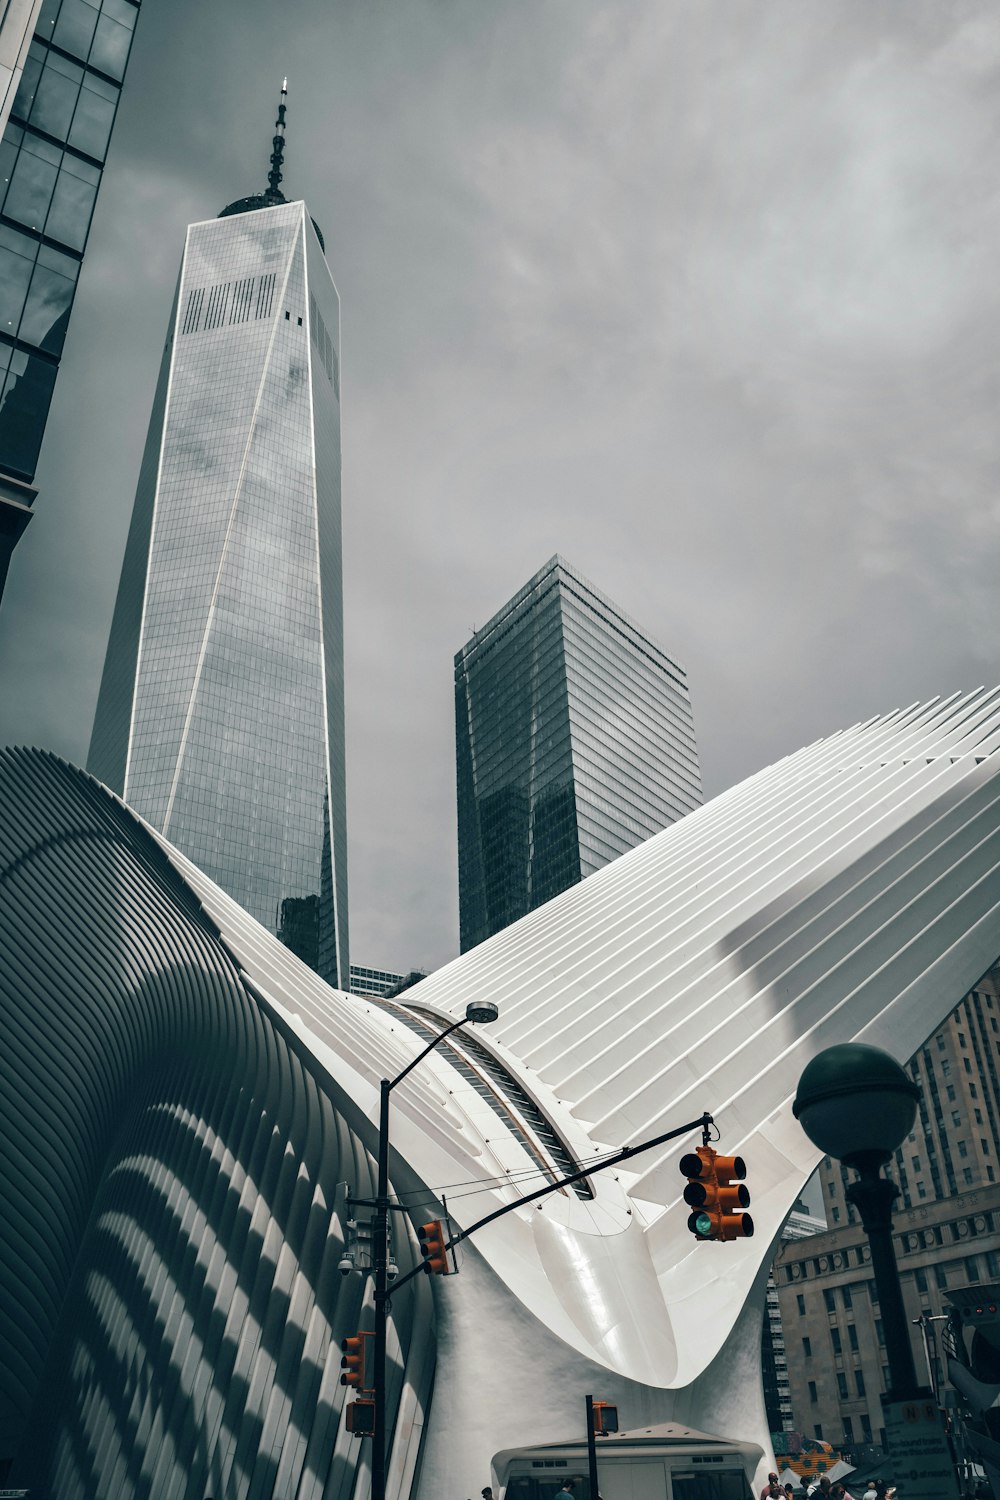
[849, 891]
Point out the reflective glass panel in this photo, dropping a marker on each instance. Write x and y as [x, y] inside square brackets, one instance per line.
[24, 406]
[32, 183]
[55, 97]
[73, 203]
[74, 27]
[112, 41]
[95, 115]
[49, 301]
[17, 257]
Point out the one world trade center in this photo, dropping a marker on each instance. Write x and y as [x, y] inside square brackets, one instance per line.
[221, 712]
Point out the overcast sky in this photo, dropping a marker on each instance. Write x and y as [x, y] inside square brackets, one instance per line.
[701, 293]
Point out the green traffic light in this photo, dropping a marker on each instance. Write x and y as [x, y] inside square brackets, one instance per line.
[703, 1225]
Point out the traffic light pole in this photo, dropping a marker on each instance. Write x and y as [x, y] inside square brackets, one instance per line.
[380, 1237]
[380, 1262]
[702, 1123]
[591, 1449]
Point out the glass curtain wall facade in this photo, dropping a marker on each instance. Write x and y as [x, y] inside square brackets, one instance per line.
[575, 742]
[52, 155]
[221, 712]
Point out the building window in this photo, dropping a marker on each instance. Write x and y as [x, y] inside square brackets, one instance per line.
[973, 1091]
[818, 1432]
[921, 1189]
[852, 1337]
[915, 1161]
[956, 1118]
[985, 1145]
[812, 1391]
[800, 1303]
[842, 1385]
[866, 1427]
[848, 1432]
[968, 1065]
[941, 1278]
[940, 1043]
[831, 1306]
[972, 1268]
[945, 1067]
[807, 1348]
[859, 1382]
[963, 1148]
[989, 1174]
[979, 1116]
[835, 1340]
[951, 1093]
[880, 1331]
[920, 1277]
[992, 1264]
[961, 1038]
[835, 1214]
[967, 1176]
[847, 1298]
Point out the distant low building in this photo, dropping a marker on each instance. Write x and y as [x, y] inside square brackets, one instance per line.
[382, 983]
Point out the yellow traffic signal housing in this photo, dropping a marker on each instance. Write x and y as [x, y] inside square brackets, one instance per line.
[359, 1417]
[717, 1194]
[432, 1245]
[354, 1363]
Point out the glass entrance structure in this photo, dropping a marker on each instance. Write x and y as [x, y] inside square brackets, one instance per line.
[221, 711]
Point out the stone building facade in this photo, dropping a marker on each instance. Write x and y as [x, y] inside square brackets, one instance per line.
[947, 1235]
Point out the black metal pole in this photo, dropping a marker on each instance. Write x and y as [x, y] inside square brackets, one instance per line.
[591, 1449]
[873, 1196]
[380, 1243]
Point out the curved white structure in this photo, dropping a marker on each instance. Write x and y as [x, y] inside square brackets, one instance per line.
[850, 891]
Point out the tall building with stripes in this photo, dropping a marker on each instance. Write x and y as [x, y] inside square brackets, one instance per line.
[221, 711]
[575, 742]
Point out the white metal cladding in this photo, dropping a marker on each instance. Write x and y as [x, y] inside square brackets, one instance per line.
[848, 891]
[170, 1307]
[851, 890]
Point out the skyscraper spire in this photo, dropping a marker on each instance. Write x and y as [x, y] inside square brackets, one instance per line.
[274, 194]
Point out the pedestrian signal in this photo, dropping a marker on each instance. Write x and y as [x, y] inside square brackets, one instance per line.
[360, 1417]
[354, 1361]
[431, 1237]
[717, 1194]
[605, 1417]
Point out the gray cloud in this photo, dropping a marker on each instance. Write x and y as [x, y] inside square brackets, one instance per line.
[700, 294]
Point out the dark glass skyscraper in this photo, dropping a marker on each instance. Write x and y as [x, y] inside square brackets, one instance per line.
[575, 742]
[51, 158]
[221, 712]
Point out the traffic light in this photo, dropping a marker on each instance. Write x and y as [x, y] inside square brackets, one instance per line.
[360, 1417]
[717, 1194]
[431, 1237]
[605, 1418]
[354, 1363]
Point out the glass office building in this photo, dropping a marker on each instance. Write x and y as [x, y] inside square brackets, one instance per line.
[575, 742]
[221, 711]
[52, 154]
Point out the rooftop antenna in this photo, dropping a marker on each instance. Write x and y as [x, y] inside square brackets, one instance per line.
[274, 194]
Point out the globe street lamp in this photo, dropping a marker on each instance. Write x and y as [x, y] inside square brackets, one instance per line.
[481, 1013]
[857, 1105]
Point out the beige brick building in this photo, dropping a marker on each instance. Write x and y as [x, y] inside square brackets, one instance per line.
[947, 1232]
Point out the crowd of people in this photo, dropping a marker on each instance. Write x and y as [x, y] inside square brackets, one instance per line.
[826, 1489]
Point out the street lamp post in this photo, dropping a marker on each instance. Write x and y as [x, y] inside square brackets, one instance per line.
[857, 1104]
[481, 1013]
